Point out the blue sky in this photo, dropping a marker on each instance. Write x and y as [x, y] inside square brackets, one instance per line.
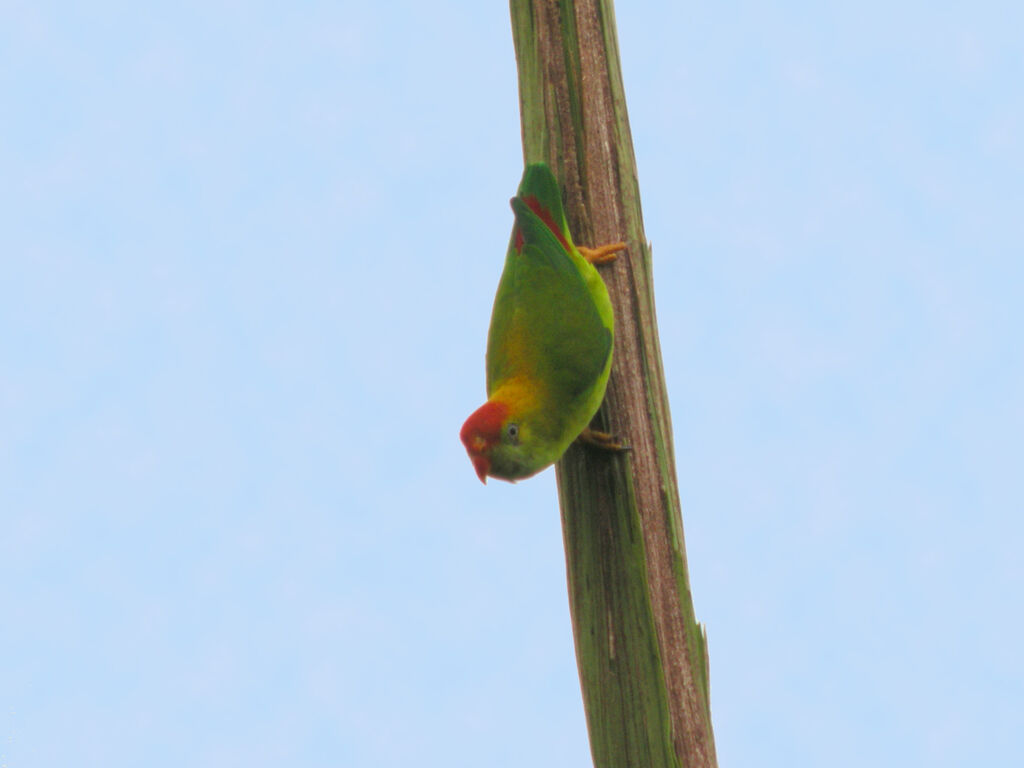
[247, 256]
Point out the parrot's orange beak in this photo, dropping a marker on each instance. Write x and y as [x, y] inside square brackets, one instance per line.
[482, 465]
[476, 447]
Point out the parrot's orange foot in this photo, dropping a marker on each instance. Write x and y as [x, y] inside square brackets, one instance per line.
[601, 255]
[601, 440]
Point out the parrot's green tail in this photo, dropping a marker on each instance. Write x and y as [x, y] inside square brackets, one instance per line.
[539, 190]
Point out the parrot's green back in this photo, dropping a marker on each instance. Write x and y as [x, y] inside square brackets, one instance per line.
[552, 326]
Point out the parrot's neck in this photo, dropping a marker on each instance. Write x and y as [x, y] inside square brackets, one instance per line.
[519, 394]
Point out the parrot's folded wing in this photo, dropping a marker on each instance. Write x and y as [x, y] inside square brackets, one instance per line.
[545, 325]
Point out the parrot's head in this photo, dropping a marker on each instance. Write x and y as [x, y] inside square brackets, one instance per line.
[497, 443]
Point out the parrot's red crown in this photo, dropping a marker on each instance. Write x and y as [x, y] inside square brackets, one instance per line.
[483, 424]
[481, 432]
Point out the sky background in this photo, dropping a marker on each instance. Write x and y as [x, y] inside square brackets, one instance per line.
[247, 258]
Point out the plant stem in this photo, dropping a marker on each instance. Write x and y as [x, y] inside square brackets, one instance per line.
[641, 654]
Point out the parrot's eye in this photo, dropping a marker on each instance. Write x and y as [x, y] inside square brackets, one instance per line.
[512, 430]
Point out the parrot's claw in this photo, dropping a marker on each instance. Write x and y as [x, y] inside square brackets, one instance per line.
[602, 440]
[601, 255]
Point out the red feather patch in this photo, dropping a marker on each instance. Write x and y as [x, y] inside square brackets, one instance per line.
[483, 427]
[546, 217]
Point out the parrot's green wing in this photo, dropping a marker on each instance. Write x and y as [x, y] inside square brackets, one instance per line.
[546, 325]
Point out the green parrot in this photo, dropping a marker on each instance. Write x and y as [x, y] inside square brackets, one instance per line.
[549, 349]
